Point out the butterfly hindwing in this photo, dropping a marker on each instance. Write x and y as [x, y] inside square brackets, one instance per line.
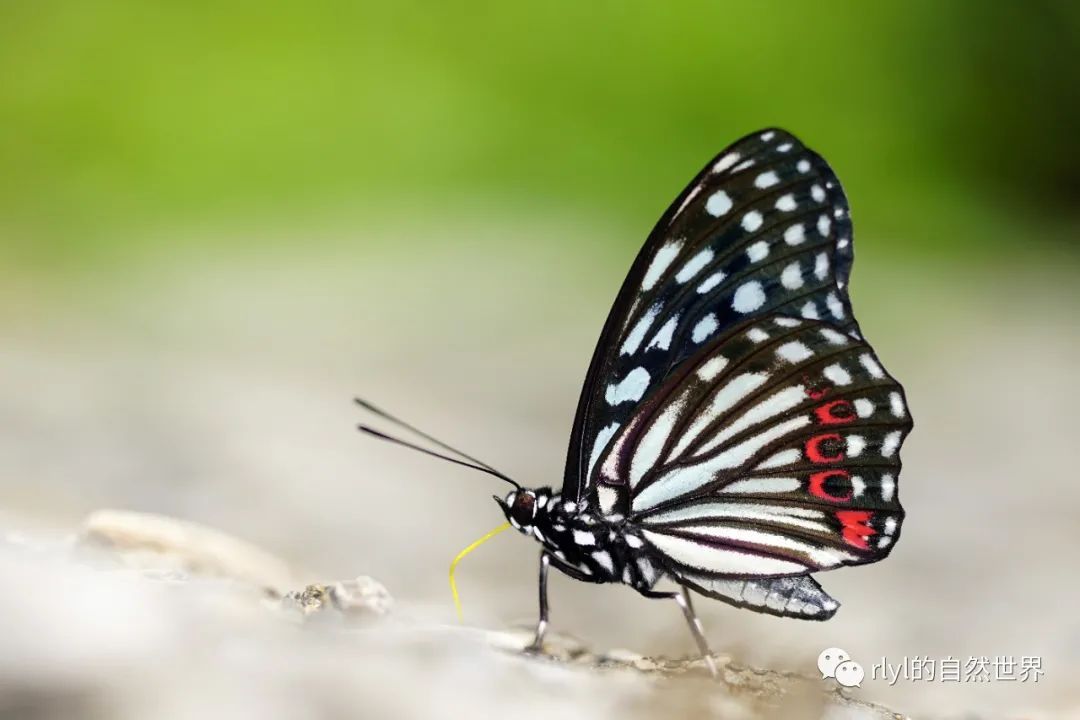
[774, 452]
[762, 230]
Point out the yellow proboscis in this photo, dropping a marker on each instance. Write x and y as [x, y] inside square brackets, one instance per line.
[462, 554]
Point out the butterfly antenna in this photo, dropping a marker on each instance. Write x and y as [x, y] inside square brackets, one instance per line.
[411, 428]
[462, 459]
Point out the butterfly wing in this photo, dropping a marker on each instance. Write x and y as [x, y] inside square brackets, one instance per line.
[799, 596]
[762, 230]
[773, 453]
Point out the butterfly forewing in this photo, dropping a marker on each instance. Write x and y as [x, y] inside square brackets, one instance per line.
[763, 230]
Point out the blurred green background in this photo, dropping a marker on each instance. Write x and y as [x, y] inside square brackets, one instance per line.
[126, 124]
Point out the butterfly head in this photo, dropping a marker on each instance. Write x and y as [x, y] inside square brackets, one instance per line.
[523, 507]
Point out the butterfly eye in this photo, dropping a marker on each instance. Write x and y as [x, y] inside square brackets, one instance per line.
[524, 508]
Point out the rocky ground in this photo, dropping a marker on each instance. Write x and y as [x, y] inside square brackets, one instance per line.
[138, 615]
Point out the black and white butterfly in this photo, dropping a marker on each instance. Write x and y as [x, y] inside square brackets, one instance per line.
[735, 433]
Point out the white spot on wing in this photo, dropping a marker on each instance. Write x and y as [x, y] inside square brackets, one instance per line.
[791, 278]
[867, 360]
[705, 327]
[833, 337]
[603, 559]
[631, 387]
[888, 487]
[718, 203]
[821, 266]
[793, 352]
[710, 282]
[758, 251]
[809, 310]
[855, 445]
[748, 297]
[725, 162]
[662, 339]
[803, 166]
[766, 180]
[660, 262]
[757, 335]
[858, 486]
[752, 221]
[823, 225]
[693, 266]
[795, 234]
[712, 368]
[635, 336]
[890, 444]
[835, 306]
[864, 408]
[786, 203]
[818, 193]
[896, 404]
[837, 374]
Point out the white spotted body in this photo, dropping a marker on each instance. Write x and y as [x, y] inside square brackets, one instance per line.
[594, 548]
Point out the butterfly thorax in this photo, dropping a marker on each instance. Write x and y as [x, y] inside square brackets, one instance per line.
[585, 545]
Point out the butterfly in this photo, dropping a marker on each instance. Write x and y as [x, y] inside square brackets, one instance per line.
[735, 433]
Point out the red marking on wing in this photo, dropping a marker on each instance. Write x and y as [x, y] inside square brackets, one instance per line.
[814, 452]
[835, 413]
[856, 529]
[817, 485]
[815, 389]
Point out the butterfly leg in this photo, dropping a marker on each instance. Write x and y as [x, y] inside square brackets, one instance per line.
[686, 604]
[542, 623]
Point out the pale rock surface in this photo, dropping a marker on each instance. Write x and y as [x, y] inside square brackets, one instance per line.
[149, 616]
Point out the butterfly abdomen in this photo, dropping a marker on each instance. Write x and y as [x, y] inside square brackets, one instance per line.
[587, 546]
[604, 549]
